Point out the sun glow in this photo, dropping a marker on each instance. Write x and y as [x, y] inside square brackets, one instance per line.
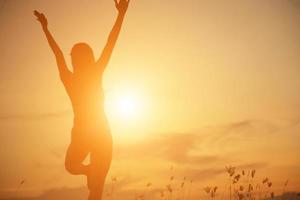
[126, 105]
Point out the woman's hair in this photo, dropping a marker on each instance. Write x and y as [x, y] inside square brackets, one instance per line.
[82, 57]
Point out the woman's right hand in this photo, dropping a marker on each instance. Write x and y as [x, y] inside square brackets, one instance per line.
[41, 18]
[122, 5]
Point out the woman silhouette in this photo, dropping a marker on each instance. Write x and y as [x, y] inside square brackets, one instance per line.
[90, 133]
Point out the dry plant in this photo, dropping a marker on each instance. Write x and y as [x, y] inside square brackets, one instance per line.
[242, 185]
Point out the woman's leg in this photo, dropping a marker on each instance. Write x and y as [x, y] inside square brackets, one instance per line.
[76, 153]
[101, 156]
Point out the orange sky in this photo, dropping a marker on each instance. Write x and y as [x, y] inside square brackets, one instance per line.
[216, 83]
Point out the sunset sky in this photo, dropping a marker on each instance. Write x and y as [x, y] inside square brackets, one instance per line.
[193, 84]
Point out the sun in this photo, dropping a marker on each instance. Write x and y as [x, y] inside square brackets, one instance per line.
[125, 106]
[128, 112]
[128, 106]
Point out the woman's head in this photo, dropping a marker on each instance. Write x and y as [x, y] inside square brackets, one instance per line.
[82, 57]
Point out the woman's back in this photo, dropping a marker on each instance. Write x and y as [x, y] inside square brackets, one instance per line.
[87, 97]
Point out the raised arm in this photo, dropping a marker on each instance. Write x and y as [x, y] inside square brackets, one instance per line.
[60, 60]
[121, 6]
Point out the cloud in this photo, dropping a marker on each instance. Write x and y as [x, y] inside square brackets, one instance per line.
[256, 165]
[203, 173]
[205, 147]
[34, 116]
[46, 166]
[295, 3]
[192, 154]
[171, 147]
[58, 193]
[79, 193]
[58, 152]
[192, 148]
[251, 125]
[187, 152]
[294, 122]
[198, 154]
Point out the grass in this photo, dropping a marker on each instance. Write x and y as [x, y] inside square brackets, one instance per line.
[241, 185]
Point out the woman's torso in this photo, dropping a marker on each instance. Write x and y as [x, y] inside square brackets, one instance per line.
[87, 98]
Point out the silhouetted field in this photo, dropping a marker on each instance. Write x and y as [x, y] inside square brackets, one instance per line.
[241, 185]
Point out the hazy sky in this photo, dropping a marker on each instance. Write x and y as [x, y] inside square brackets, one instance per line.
[217, 83]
